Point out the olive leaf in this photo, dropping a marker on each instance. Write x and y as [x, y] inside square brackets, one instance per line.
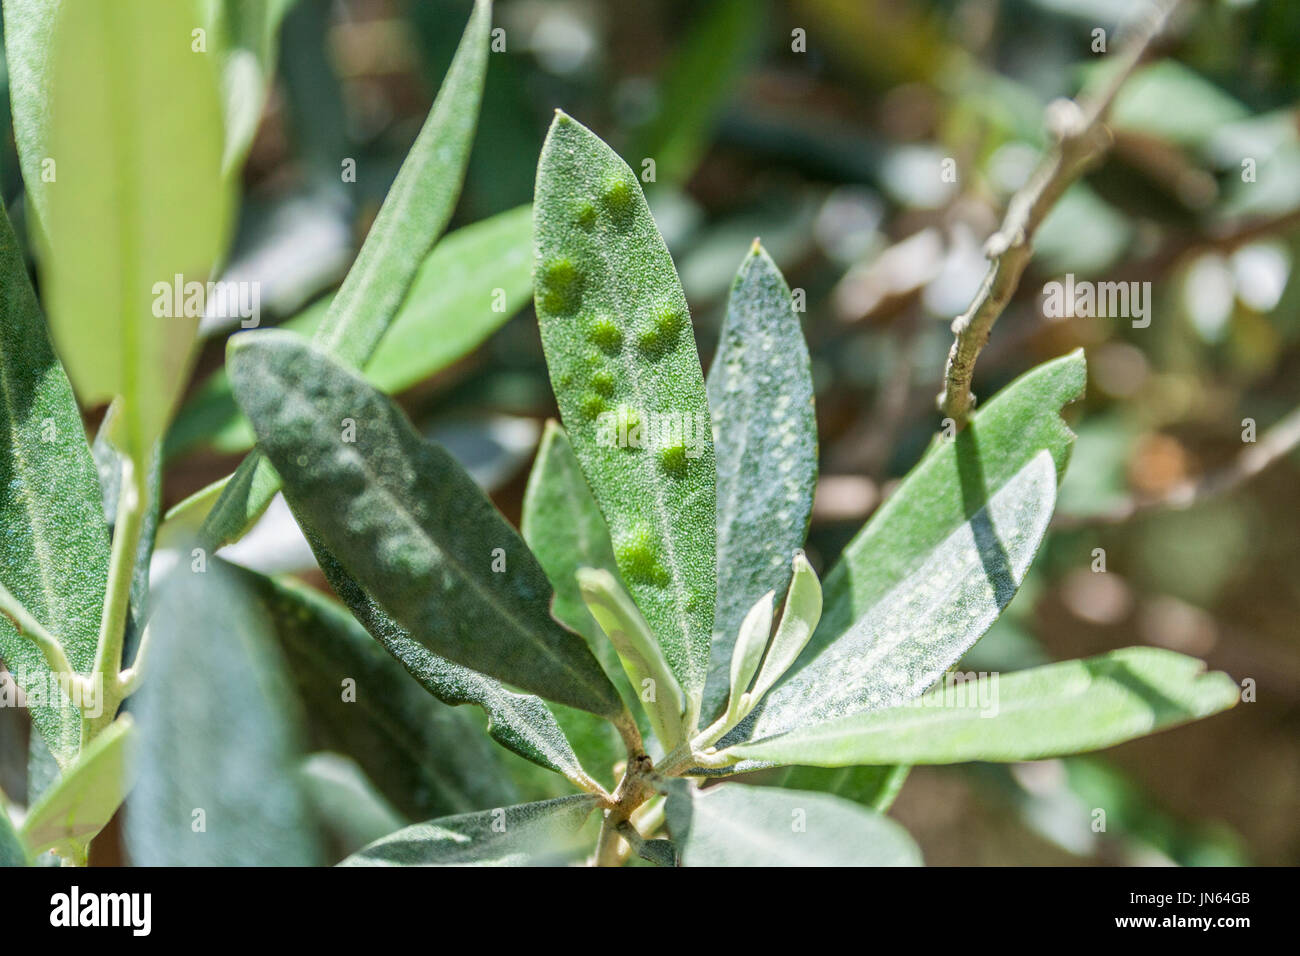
[12, 851]
[135, 128]
[405, 520]
[523, 835]
[1048, 711]
[737, 825]
[54, 548]
[761, 398]
[411, 220]
[623, 364]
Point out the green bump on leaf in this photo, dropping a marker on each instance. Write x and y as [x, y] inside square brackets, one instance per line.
[673, 460]
[602, 383]
[587, 214]
[619, 200]
[638, 559]
[560, 282]
[662, 333]
[606, 335]
[592, 406]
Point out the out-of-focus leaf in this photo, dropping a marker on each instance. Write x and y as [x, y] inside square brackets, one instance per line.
[873, 787]
[12, 851]
[452, 307]
[411, 220]
[217, 771]
[425, 757]
[737, 825]
[406, 521]
[697, 79]
[29, 29]
[135, 128]
[346, 802]
[530, 833]
[761, 398]
[1169, 100]
[54, 549]
[1043, 712]
[244, 34]
[74, 810]
[911, 636]
[619, 347]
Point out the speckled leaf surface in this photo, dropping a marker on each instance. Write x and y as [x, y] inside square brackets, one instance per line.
[523, 835]
[426, 758]
[414, 214]
[408, 523]
[951, 483]
[623, 364]
[906, 641]
[761, 398]
[54, 546]
[521, 723]
[1047, 711]
[219, 732]
[738, 825]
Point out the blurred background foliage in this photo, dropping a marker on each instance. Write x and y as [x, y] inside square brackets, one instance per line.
[823, 127]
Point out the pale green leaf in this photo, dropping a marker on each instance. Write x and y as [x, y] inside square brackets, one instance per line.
[523, 835]
[737, 825]
[346, 802]
[916, 632]
[755, 630]
[761, 398]
[54, 546]
[136, 135]
[80, 804]
[619, 346]
[799, 616]
[219, 735]
[410, 221]
[1046, 711]
[407, 522]
[29, 29]
[643, 659]
[12, 851]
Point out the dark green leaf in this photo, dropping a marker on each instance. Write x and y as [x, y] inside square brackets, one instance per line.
[54, 548]
[425, 757]
[531, 833]
[346, 802]
[406, 521]
[761, 398]
[1042, 712]
[619, 346]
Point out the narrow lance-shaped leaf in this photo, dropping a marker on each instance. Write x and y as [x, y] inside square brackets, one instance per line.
[410, 221]
[427, 758]
[28, 36]
[641, 655]
[952, 482]
[761, 398]
[245, 37]
[73, 811]
[527, 834]
[626, 374]
[54, 548]
[755, 630]
[1046, 711]
[922, 627]
[135, 133]
[407, 522]
[452, 307]
[219, 735]
[737, 825]
[803, 608]
[521, 723]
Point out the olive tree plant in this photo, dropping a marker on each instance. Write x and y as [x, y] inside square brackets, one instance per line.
[661, 668]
